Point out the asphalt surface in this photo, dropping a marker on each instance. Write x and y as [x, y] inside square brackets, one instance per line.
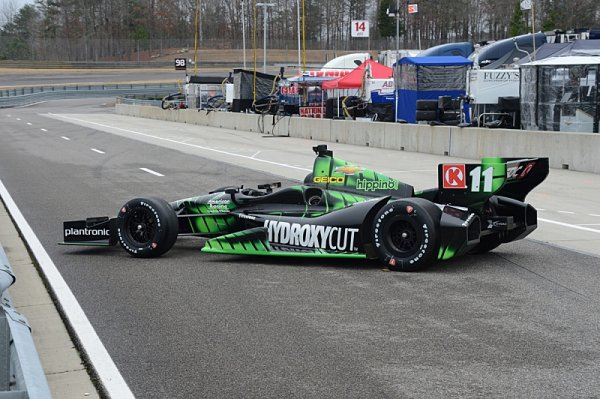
[521, 321]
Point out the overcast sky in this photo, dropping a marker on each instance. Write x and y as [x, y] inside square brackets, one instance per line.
[11, 6]
[20, 3]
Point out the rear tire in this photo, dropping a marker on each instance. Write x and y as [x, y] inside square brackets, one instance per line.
[147, 227]
[405, 234]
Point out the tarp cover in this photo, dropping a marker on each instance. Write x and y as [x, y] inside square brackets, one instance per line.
[576, 48]
[504, 51]
[243, 84]
[462, 48]
[561, 94]
[428, 78]
[244, 90]
[354, 79]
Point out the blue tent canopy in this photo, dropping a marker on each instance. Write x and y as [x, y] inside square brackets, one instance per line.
[428, 78]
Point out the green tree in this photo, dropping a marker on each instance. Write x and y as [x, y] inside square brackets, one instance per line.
[386, 24]
[16, 36]
[550, 20]
[518, 23]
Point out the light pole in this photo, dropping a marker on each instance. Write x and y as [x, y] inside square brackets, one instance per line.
[396, 78]
[244, 33]
[264, 6]
[299, 57]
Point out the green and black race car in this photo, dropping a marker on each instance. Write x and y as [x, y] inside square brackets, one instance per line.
[341, 210]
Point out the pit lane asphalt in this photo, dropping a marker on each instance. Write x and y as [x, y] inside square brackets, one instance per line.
[521, 321]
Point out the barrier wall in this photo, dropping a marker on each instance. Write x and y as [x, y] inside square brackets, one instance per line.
[575, 151]
[21, 372]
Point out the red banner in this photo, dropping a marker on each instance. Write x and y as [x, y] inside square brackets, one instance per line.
[312, 112]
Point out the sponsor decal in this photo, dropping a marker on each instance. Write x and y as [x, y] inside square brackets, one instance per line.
[330, 238]
[348, 170]
[86, 232]
[244, 216]
[501, 75]
[218, 205]
[329, 72]
[330, 179]
[372, 185]
[497, 224]
[219, 202]
[454, 176]
[519, 171]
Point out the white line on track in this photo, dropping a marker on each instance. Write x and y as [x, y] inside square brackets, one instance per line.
[111, 378]
[567, 212]
[43, 130]
[152, 172]
[33, 104]
[29, 123]
[18, 119]
[573, 226]
[97, 150]
[593, 214]
[588, 224]
[65, 138]
[182, 143]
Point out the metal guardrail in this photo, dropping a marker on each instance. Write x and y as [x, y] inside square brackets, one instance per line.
[86, 64]
[225, 65]
[22, 96]
[21, 372]
[138, 101]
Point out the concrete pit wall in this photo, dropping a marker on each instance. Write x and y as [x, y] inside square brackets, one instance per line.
[575, 151]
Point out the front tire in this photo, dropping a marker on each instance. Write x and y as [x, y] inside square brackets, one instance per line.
[405, 234]
[147, 227]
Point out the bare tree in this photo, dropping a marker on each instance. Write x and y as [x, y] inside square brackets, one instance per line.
[125, 29]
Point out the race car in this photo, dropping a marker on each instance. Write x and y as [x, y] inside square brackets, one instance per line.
[341, 210]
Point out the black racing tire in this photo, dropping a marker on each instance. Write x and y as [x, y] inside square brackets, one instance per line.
[427, 105]
[426, 115]
[486, 244]
[450, 116]
[405, 234]
[147, 227]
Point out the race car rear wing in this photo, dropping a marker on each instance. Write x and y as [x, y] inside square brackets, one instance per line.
[472, 184]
